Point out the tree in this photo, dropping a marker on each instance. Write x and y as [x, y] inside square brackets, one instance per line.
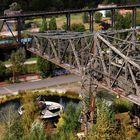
[77, 27]
[37, 131]
[123, 21]
[43, 26]
[52, 24]
[31, 111]
[105, 127]
[2, 71]
[85, 16]
[98, 16]
[17, 59]
[138, 19]
[68, 123]
[12, 125]
[108, 13]
[44, 67]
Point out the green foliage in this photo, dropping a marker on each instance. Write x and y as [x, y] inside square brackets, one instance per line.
[30, 112]
[78, 27]
[71, 119]
[98, 16]
[12, 126]
[17, 59]
[2, 71]
[123, 22]
[138, 19]
[43, 66]
[52, 24]
[29, 69]
[37, 131]
[68, 123]
[43, 25]
[108, 14]
[85, 16]
[121, 105]
[105, 127]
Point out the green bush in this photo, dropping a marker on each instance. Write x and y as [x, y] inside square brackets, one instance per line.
[32, 68]
[121, 105]
[85, 17]
[108, 14]
[105, 127]
[2, 71]
[98, 16]
[78, 27]
[75, 27]
[43, 26]
[52, 24]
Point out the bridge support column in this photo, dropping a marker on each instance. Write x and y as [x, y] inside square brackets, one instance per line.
[68, 21]
[88, 94]
[134, 17]
[91, 25]
[113, 18]
[19, 28]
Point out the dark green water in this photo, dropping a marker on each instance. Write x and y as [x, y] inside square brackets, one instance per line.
[12, 106]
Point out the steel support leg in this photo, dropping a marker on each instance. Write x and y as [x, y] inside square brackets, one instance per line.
[91, 25]
[134, 17]
[113, 18]
[68, 21]
[19, 28]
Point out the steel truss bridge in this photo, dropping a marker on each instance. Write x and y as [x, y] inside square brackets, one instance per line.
[110, 60]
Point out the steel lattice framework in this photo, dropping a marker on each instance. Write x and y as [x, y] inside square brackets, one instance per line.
[109, 60]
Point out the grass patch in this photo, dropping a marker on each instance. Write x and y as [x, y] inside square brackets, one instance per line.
[32, 59]
[7, 62]
[68, 94]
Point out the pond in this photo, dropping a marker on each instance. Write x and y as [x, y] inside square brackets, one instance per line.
[14, 105]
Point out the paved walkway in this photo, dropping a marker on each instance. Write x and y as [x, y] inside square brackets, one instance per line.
[14, 88]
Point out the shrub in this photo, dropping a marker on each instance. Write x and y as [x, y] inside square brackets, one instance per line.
[108, 14]
[2, 71]
[75, 27]
[85, 17]
[78, 27]
[121, 105]
[52, 24]
[105, 127]
[43, 26]
[98, 17]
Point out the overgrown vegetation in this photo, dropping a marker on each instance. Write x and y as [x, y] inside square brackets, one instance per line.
[122, 21]
[77, 27]
[105, 127]
[17, 60]
[2, 71]
[68, 94]
[45, 67]
[98, 16]
[30, 128]
[43, 26]
[52, 24]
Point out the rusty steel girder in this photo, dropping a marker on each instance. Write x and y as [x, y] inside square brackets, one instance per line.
[109, 60]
